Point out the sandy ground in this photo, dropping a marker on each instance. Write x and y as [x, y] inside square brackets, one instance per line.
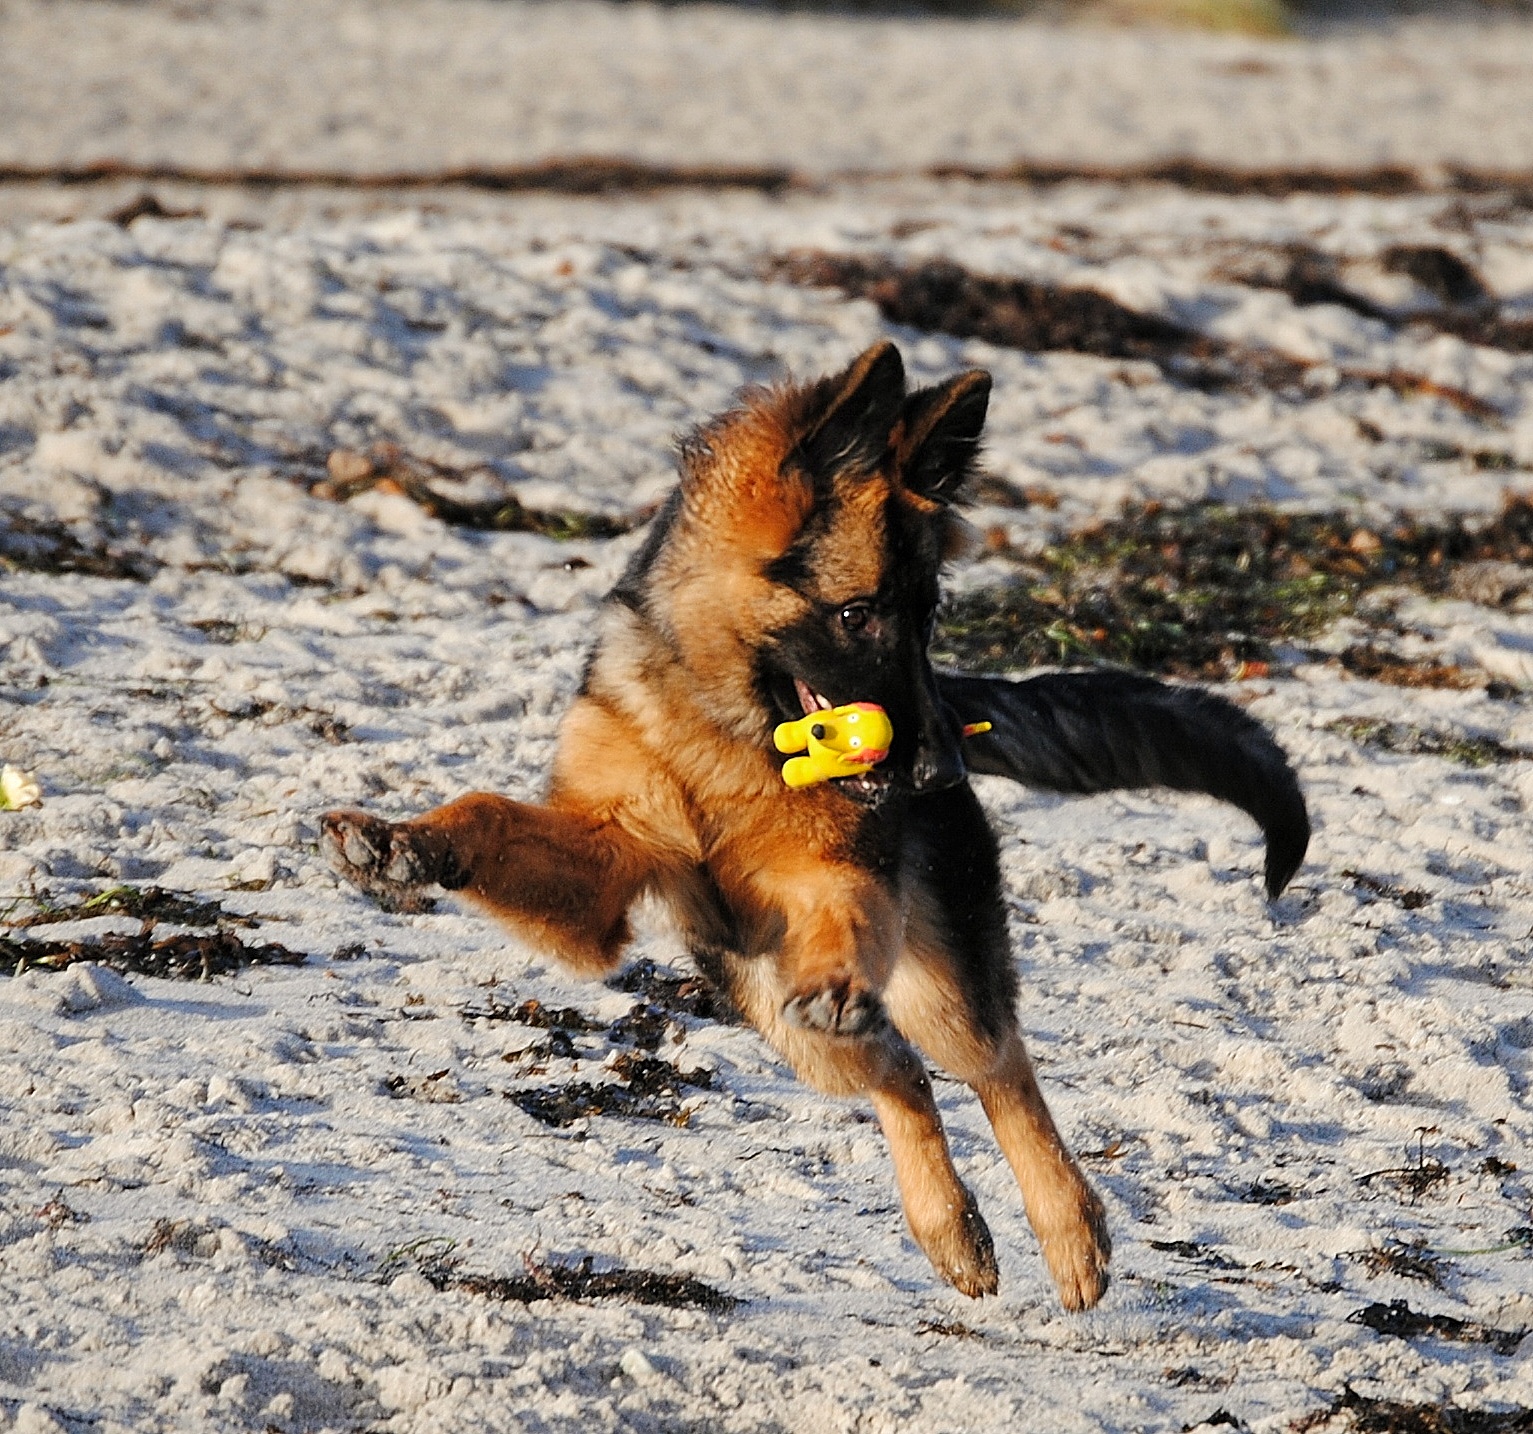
[422, 84]
[228, 1204]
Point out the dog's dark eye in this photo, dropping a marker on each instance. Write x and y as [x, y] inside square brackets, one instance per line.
[855, 616]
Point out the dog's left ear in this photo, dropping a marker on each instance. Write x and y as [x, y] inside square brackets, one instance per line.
[941, 439]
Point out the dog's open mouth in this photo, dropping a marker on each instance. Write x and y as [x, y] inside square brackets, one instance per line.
[867, 785]
[810, 700]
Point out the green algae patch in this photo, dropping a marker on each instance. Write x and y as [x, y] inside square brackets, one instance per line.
[1413, 741]
[1209, 590]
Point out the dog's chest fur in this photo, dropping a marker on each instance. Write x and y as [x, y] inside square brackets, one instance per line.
[744, 843]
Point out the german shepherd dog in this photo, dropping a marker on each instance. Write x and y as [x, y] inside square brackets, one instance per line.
[854, 922]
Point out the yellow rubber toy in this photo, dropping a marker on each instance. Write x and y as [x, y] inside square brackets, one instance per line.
[841, 741]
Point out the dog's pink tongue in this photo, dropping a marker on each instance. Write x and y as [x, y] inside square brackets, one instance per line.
[808, 698]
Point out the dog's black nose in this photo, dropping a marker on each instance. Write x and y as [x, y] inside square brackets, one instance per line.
[937, 762]
[937, 767]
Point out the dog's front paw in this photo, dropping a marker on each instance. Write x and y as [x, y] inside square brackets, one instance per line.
[390, 863]
[839, 1008]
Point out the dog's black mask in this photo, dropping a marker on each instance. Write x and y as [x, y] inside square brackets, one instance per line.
[884, 467]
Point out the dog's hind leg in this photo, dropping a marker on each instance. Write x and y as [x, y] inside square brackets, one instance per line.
[953, 992]
[927, 1000]
[942, 1214]
[1063, 1209]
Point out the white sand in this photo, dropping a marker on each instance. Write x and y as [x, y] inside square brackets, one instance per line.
[421, 84]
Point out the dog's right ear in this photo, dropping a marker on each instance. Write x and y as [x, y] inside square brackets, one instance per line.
[941, 440]
[862, 406]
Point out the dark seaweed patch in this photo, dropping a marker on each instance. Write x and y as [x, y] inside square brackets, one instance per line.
[1311, 276]
[1425, 741]
[1182, 1376]
[644, 1088]
[547, 1281]
[944, 297]
[1441, 272]
[1408, 897]
[644, 1026]
[1219, 1419]
[1488, 330]
[1202, 1254]
[1202, 177]
[948, 1329]
[1415, 385]
[331, 729]
[590, 175]
[227, 632]
[1400, 1321]
[149, 206]
[433, 1088]
[1408, 1261]
[35, 546]
[535, 1057]
[177, 958]
[387, 468]
[185, 1237]
[1378, 664]
[1307, 275]
[1386, 1416]
[1194, 591]
[1423, 1173]
[202, 1241]
[147, 903]
[1201, 590]
[668, 998]
[598, 175]
[940, 296]
[1268, 1192]
[680, 995]
[531, 1012]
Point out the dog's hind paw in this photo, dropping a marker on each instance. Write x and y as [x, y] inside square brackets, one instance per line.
[837, 1009]
[1077, 1255]
[391, 863]
[962, 1252]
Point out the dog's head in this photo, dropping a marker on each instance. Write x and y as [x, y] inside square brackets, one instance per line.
[798, 567]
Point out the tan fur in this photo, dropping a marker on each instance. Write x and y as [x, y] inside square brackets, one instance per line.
[849, 558]
[927, 1001]
[1063, 1210]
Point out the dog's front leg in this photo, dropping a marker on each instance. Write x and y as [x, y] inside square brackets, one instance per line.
[562, 876]
[839, 924]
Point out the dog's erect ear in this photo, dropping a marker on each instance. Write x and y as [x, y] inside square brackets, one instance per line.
[863, 406]
[942, 428]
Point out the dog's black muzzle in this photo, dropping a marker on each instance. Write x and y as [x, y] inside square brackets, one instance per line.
[938, 760]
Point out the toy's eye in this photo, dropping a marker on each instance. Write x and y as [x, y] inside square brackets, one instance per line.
[855, 742]
[855, 616]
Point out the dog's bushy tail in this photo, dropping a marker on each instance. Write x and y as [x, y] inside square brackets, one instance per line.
[1095, 731]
